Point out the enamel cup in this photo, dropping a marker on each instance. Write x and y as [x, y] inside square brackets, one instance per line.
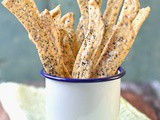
[83, 99]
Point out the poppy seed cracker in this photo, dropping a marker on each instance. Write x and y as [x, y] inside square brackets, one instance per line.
[67, 22]
[83, 22]
[56, 14]
[110, 17]
[116, 51]
[130, 9]
[28, 15]
[46, 19]
[93, 38]
[140, 19]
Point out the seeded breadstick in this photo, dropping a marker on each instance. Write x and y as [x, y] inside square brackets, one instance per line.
[83, 22]
[46, 19]
[56, 14]
[82, 29]
[111, 59]
[27, 14]
[93, 38]
[117, 49]
[64, 42]
[140, 19]
[130, 9]
[111, 13]
[67, 23]
[110, 17]
[67, 52]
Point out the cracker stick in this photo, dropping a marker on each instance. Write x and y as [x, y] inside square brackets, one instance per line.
[140, 19]
[82, 29]
[66, 49]
[62, 36]
[110, 17]
[67, 23]
[83, 22]
[68, 20]
[27, 14]
[66, 57]
[56, 14]
[108, 57]
[130, 9]
[93, 38]
[28, 22]
[46, 19]
[111, 13]
[117, 49]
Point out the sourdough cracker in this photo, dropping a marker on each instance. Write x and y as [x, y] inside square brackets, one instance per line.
[110, 17]
[111, 13]
[27, 14]
[66, 28]
[110, 56]
[93, 38]
[137, 23]
[117, 49]
[55, 37]
[21, 10]
[56, 14]
[82, 25]
[140, 19]
[65, 41]
[83, 22]
[130, 9]
[59, 36]
[66, 36]
[67, 22]
[82, 29]
[66, 49]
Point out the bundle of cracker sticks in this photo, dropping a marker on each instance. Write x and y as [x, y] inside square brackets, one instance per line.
[96, 49]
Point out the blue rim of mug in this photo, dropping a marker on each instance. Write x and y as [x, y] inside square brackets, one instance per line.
[121, 73]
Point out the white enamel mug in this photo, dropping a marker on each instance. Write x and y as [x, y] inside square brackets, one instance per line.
[83, 99]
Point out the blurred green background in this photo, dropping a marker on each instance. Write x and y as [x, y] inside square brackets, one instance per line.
[19, 60]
